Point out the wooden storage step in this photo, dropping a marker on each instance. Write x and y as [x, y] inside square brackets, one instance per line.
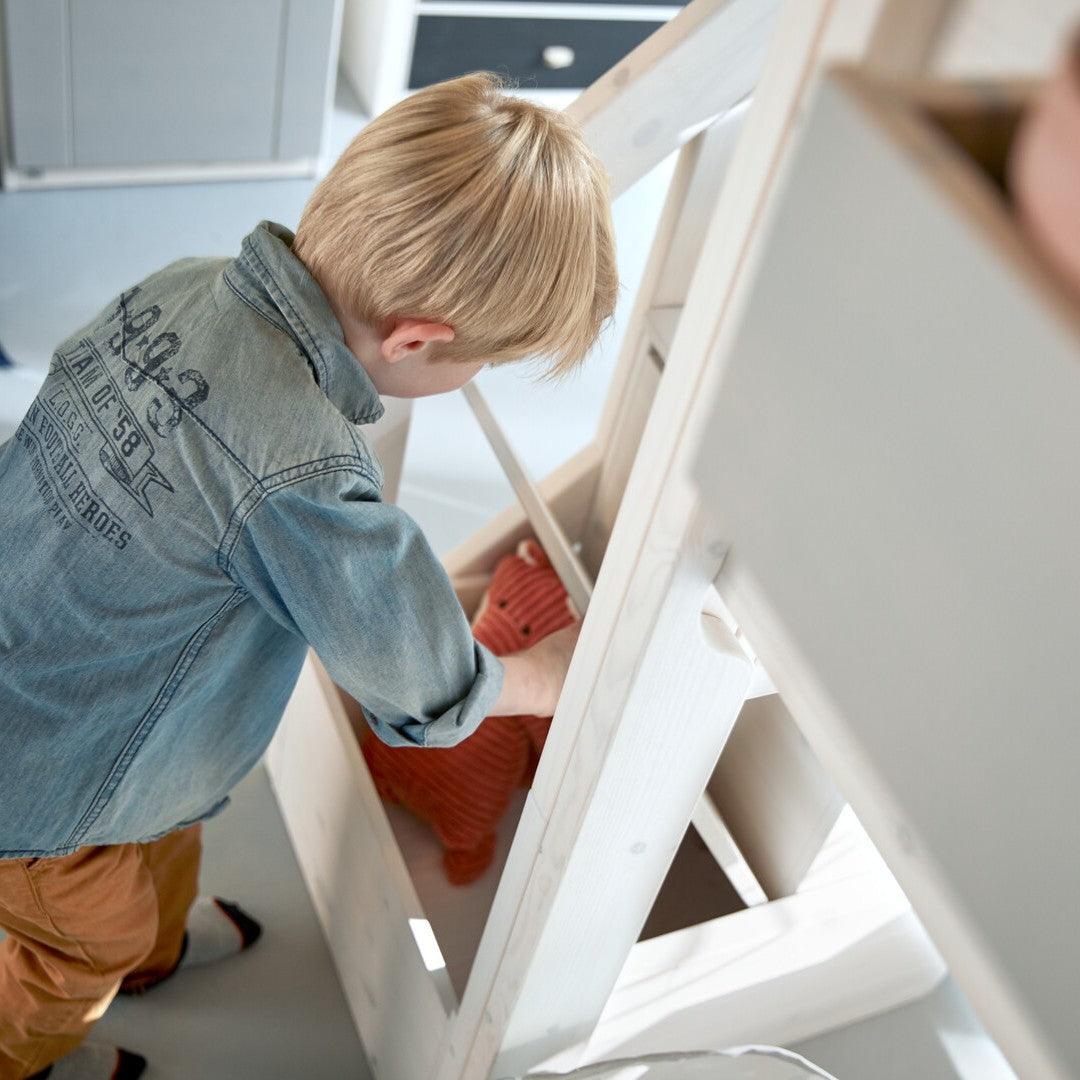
[563, 551]
[694, 891]
[359, 857]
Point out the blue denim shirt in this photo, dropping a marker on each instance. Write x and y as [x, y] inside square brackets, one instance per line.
[188, 504]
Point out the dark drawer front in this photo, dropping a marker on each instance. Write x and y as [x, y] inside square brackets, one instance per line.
[624, 3]
[447, 46]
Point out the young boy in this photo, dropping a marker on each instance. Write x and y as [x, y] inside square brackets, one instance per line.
[190, 503]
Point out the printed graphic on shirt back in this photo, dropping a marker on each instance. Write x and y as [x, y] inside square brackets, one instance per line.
[86, 412]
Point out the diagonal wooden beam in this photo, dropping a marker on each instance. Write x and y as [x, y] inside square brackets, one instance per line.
[694, 68]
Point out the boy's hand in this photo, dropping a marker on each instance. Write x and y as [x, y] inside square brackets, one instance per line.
[534, 678]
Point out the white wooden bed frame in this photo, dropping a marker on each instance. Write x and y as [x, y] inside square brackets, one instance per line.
[668, 717]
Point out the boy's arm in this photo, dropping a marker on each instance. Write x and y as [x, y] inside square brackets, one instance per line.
[356, 579]
[533, 679]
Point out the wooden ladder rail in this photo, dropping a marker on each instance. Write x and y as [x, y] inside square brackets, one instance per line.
[706, 819]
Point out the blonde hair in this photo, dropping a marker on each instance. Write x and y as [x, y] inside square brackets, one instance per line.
[464, 205]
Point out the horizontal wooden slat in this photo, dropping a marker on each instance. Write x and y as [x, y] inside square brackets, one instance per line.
[775, 973]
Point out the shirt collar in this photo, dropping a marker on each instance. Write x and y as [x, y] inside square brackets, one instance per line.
[272, 275]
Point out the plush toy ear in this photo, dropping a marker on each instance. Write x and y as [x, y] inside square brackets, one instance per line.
[526, 552]
[532, 554]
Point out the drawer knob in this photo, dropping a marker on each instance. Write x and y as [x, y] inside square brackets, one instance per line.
[558, 56]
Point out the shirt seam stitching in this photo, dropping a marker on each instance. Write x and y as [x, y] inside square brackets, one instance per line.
[254, 307]
[236, 528]
[279, 295]
[164, 696]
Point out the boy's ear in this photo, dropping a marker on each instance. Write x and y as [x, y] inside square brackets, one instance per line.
[405, 336]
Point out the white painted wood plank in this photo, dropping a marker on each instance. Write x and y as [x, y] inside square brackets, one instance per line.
[389, 437]
[989, 39]
[531, 944]
[716, 148]
[376, 49]
[359, 885]
[633, 384]
[457, 913]
[847, 942]
[713, 830]
[761, 684]
[549, 532]
[695, 67]
[699, 174]
[568, 494]
[578, 584]
[622, 811]
[522, 957]
[904, 560]
[776, 798]
[662, 323]
[908, 34]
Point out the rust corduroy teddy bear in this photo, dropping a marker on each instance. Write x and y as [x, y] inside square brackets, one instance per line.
[463, 790]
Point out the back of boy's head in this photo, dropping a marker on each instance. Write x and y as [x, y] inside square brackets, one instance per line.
[465, 205]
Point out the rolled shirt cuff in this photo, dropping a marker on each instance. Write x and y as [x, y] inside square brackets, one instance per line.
[457, 722]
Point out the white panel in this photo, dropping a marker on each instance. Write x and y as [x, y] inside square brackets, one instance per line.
[895, 462]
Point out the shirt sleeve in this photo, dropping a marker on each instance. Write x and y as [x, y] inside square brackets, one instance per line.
[356, 578]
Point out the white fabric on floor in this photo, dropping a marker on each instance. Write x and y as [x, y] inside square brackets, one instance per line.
[739, 1063]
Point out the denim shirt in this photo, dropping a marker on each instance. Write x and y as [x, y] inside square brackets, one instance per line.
[188, 504]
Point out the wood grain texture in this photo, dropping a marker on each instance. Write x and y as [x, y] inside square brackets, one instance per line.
[986, 38]
[696, 67]
[847, 942]
[608, 835]
[357, 879]
[567, 492]
[540, 978]
[579, 586]
[650, 699]
[549, 532]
